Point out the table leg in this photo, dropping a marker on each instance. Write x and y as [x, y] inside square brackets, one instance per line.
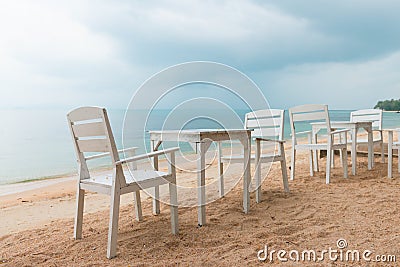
[201, 182]
[221, 171]
[316, 165]
[257, 173]
[156, 198]
[312, 155]
[370, 149]
[354, 150]
[246, 173]
[136, 195]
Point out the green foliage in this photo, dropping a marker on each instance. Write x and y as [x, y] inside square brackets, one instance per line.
[389, 105]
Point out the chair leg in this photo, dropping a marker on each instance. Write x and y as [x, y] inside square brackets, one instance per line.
[221, 171]
[221, 180]
[390, 154]
[284, 169]
[257, 173]
[311, 163]
[382, 152]
[292, 164]
[284, 175]
[333, 159]
[173, 194]
[113, 224]
[316, 153]
[328, 165]
[343, 153]
[138, 206]
[156, 201]
[316, 157]
[390, 163]
[398, 160]
[80, 200]
[310, 141]
[174, 208]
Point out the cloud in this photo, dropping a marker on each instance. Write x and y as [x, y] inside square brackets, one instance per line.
[361, 28]
[70, 53]
[237, 32]
[341, 85]
[50, 58]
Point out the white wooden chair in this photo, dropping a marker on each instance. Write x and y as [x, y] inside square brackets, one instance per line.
[374, 115]
[267, 126]
[316, 113]
[392, 145]
[91, 132]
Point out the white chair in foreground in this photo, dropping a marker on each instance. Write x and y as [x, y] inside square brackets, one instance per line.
[374, 115]
[91, 132]
[392, 146]
[268, 126]
[316, 113]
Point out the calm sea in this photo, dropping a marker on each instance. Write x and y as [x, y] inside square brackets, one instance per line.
[37, 143]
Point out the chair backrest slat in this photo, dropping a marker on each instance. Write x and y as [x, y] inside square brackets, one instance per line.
[311, 116]
[93, 145]
[85, 113]
[307, 108]
[266, 132]
[89, 129]
[268, 123]
[374, 115]
[264, 113]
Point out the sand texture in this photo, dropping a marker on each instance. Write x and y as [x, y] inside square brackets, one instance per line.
[37, 225]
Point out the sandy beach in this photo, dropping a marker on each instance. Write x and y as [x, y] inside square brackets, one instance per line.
[37, 225]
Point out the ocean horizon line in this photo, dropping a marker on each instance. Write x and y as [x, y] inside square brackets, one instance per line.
[37, 143]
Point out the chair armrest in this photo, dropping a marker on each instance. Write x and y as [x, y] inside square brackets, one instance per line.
[340, 131]
[108, 153]
[148, 155]
[305, 132]
[233, 141]
[270, 140]
[127, 149]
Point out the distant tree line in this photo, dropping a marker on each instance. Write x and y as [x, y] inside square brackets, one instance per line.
[389, 105]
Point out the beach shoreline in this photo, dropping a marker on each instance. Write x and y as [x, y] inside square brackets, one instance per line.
[361, 209]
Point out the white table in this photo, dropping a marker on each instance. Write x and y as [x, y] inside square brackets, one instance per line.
[201, 141]
[353, 126]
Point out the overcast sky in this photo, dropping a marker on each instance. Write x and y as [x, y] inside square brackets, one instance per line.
[70, 53]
